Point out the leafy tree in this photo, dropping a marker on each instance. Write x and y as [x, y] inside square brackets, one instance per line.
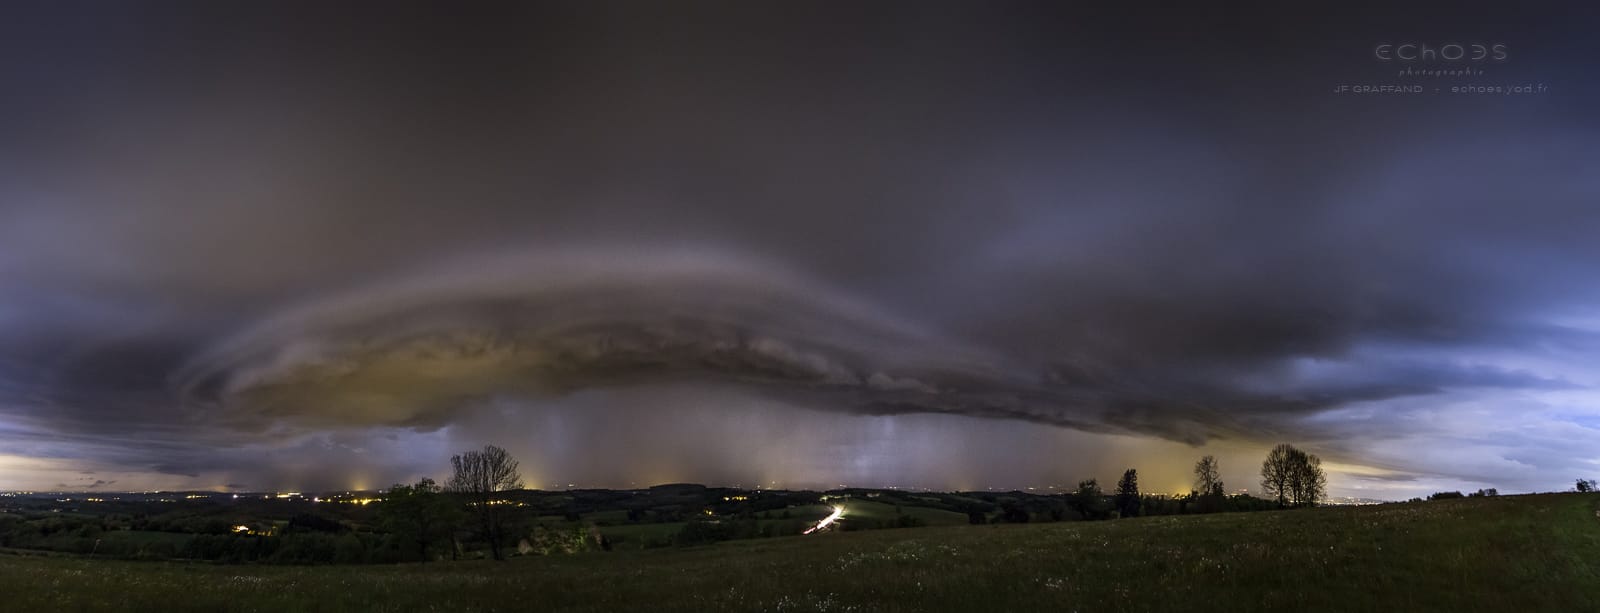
[1088, 500]
[1207, 477]
[1293, 477]
[479, 477]
[1013, 512]
[1128, 494]
[1586, 485]
[419, 515]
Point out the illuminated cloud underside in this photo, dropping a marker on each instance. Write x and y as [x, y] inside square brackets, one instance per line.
[273, 251]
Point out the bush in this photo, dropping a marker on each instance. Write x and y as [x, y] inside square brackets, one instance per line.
[349, 550]
[569, 538]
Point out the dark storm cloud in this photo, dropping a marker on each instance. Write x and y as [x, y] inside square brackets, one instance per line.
[231, 232]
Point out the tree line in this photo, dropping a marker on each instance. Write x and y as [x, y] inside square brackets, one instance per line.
[1289, 477]
[423, 515]
[472, 505]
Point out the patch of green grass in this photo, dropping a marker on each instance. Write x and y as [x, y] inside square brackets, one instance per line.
[882, 512]
[1516, 553]
[810, 512]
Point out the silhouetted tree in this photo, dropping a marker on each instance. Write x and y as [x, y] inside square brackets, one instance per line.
[1445, 495]
[1088, 500]
[417, 514]
[1128, 494]
[1208, 494]
[1207, 477]
[1292, 476]
[1586, 485]
[1013, 512]
[1309, 482]
[479, 476]
[1275, 474]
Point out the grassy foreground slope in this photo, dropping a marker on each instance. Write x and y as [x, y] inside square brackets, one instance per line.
[1522, 553]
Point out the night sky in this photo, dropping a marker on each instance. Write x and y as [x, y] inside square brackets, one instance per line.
[945, 245]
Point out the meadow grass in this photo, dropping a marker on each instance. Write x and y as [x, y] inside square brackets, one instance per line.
[1518, 553]
[635, 536]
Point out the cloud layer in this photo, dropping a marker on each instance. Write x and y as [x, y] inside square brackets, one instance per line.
[233, 257]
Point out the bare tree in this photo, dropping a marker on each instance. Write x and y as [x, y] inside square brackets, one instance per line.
[1276, 473]
[1309, 482]
[1293, 476]
[479, 476]
[1207, 477]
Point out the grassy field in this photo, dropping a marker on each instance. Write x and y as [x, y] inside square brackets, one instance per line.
[636, 536]
[887, 512]
[1520, 553]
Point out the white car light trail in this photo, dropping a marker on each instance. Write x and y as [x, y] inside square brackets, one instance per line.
[837, 512]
